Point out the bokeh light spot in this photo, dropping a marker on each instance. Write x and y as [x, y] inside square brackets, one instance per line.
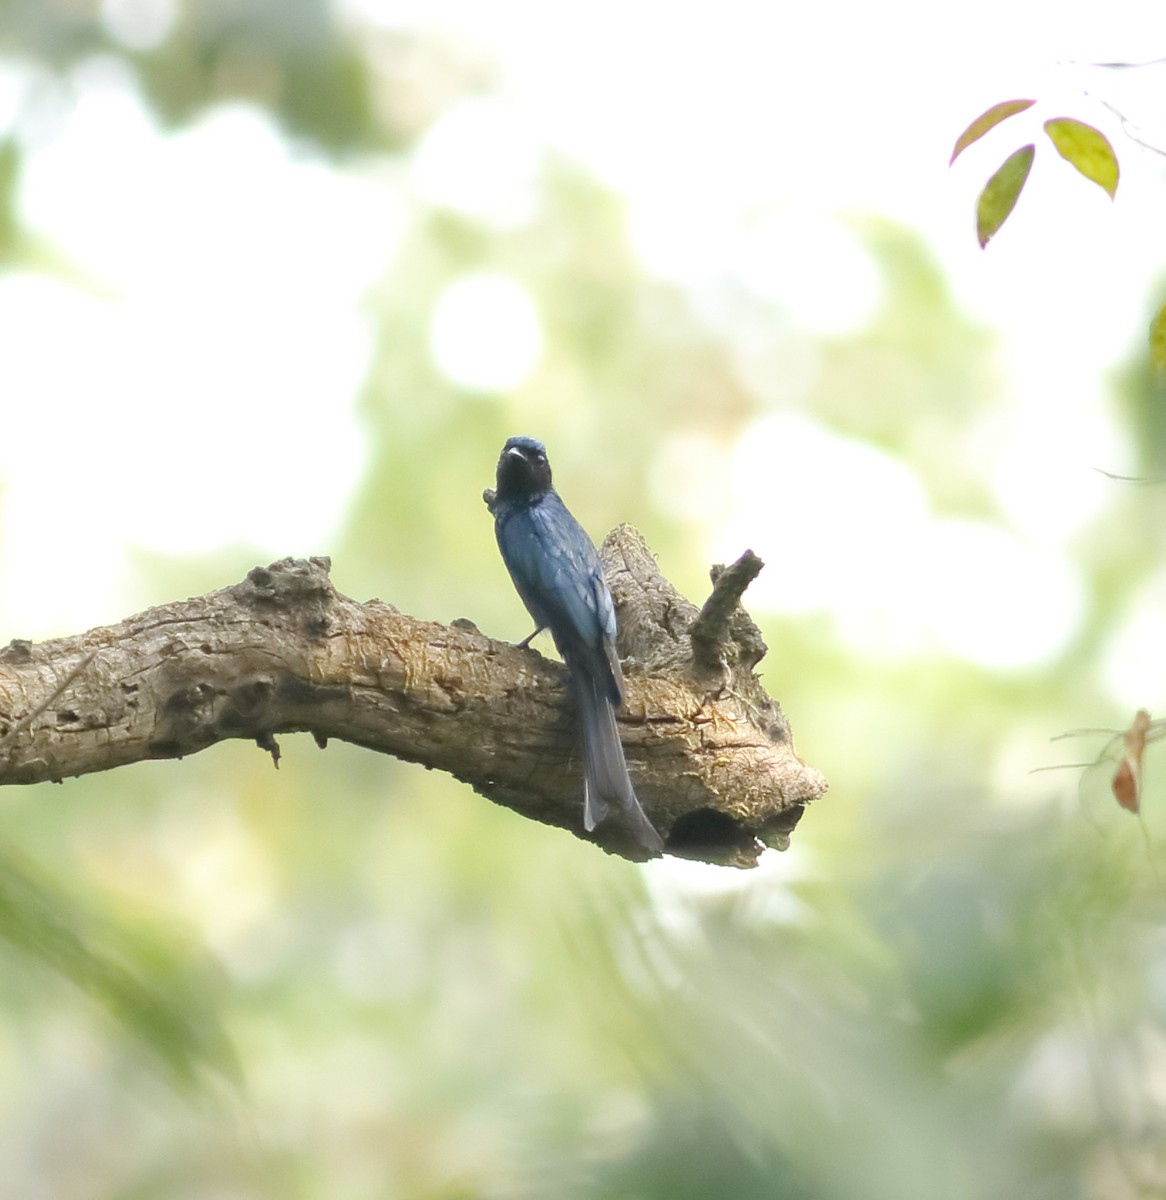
[1131, 665]
[139, 24]
[847, 531]
[486, 335]
[991, 598]
[483, 159]
[813, 268]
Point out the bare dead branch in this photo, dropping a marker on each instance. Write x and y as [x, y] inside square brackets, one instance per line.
[712, 630]
[284, 652]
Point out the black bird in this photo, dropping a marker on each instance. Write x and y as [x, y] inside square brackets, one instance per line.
[556, 571]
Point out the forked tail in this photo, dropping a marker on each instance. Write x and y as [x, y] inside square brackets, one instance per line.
[606, 781]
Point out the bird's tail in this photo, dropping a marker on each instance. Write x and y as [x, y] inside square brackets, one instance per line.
[605, 770]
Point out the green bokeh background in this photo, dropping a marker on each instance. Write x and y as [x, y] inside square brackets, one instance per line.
[355, 979]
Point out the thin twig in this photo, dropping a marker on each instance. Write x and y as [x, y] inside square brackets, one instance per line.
[1129, 478]
[1128, 127]
[1121, 66]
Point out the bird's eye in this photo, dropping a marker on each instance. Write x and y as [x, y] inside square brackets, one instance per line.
[540, 458]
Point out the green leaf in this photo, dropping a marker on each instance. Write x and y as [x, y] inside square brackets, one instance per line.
[988, 120]
[1088, 149]
[1158, 339]
[1001, 192]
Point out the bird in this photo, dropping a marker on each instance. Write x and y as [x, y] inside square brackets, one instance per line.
[556, 571]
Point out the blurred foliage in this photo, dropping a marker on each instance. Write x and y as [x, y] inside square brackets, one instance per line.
[289, 56]
[9, 171]
[141, 975]
[1158, 341]
[937, 992]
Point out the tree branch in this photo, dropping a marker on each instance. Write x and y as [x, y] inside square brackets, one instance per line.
[284, 652]
[719, 624]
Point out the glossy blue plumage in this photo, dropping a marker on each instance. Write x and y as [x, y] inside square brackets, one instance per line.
[557, 573]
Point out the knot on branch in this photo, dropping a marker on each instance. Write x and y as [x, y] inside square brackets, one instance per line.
[293, 586]
[19, 650]
[287, 583]
[198, 715]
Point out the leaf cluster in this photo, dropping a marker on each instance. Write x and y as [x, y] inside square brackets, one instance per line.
[1078, 143]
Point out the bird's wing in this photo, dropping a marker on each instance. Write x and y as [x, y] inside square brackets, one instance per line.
[557, 572]
[567, 568]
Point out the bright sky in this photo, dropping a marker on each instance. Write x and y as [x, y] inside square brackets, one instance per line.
[209, 364]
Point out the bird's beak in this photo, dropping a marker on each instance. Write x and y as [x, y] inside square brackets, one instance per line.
[516, 452]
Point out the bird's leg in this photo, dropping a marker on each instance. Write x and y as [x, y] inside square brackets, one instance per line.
[525, 643]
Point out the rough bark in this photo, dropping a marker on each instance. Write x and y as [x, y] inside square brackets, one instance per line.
[710, 753]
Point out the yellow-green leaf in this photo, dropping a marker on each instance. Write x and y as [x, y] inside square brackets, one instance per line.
[985, 121]
[1158, 339]
[1001, 192]
[1088, 149]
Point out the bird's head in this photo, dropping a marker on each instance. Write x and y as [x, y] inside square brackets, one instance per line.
[523, 470]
